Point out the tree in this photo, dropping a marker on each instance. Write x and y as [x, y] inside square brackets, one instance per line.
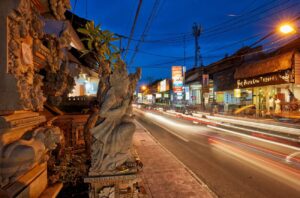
[99, 45]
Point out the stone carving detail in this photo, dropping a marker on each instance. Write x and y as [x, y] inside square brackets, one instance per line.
[25, 36]
[112, 137]
[58, 84]
[59, 7]
[25, 28]
[22, 155]
[58, 50]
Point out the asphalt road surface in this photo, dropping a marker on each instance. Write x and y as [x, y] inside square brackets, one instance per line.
[231, 164]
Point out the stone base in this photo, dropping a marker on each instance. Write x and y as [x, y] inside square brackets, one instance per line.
[13, 127]
[114, 186]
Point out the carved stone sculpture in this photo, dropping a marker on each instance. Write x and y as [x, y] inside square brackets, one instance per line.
[58, 8]
[112, 137]
[24, 28]
[22, 155]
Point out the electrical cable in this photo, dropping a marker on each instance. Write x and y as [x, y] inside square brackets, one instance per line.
[133, 26]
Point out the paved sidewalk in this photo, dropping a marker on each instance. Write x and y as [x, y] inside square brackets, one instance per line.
[163, 175]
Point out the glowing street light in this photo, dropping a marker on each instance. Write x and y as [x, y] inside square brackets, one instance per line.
[144, 87]
[287, 29]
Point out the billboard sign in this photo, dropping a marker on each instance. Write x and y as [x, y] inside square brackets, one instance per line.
[177, 78]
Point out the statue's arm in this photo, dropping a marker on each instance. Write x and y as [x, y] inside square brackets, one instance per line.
[109, 101]
[119, 111]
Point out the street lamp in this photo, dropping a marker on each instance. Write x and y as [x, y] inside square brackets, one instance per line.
[287, 28]
[144, 87]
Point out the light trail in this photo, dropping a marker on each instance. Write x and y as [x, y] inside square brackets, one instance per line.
[280, 129]
[218, 123]
[255, 138]
[289, 174]
[158, 119]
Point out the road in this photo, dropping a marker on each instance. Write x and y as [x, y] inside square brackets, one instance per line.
[232, 164]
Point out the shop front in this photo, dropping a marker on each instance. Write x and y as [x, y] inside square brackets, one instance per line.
[225, 96]
[272, 82]
[195, 94]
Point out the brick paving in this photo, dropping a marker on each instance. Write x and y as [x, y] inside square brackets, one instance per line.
[163, 175]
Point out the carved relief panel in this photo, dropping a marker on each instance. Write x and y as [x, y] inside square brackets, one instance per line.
[25, 28]
[29, 49]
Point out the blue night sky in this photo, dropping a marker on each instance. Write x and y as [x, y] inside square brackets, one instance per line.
[227, 26]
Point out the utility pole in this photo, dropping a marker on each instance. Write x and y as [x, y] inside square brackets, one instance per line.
[197, 29]
[184, 49]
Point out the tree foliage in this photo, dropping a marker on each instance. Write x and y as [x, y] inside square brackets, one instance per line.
[100, 43]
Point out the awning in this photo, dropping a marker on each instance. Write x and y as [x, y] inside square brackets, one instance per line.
[266, 66]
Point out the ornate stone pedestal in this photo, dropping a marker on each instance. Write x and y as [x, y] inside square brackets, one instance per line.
[113, 186]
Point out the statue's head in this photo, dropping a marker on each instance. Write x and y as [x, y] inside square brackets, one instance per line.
[49, 135]
[53, 136]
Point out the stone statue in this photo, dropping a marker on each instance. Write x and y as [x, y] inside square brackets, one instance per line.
[112, 137]
[58, 8]
[22, 155]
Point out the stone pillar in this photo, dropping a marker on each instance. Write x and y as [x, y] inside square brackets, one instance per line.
[20, 85]
[24, 143]
[9, 97]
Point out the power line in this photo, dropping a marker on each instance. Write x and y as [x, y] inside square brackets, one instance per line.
[153, 54]
[243, 23]
[133, 26]
[189, 37]
[157, 65]
[254, 12]
[234, 43]
[147, 27]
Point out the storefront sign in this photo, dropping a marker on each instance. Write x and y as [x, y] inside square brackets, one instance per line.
[149, 97]
[282, 77]
[157, 95]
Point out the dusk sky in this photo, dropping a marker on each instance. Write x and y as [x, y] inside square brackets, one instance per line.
[227, 26]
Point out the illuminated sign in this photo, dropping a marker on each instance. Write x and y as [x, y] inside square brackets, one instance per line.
[281, 77]
[157, 95]
[177, 78]
[163, 86]
[187, 93]
[149, 97]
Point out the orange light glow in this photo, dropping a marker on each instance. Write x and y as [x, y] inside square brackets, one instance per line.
[144, 87]
[287, 29]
